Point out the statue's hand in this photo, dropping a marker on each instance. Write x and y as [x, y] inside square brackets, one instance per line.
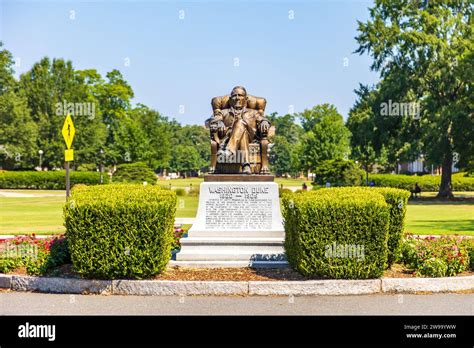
[217, 126]
[264, 127]
[220, 126]
[213, 127]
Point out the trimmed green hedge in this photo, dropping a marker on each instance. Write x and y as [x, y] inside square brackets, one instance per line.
[50, 180]
[337, 233]
[426, 182]
[397, 200]
[338, 172]
[134, 173]
[120, 231]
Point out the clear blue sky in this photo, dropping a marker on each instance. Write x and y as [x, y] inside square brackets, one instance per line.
[187, 61]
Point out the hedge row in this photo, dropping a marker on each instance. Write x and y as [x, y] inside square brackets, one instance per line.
[397, 200]
[134, 173]
[364, 224]
[120, 231]
[336, 233]
[426, 182]
[50, 180]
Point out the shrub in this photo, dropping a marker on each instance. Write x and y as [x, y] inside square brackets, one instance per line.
[120, 231]
[469, 245]
[180, 191]
[283, 191]
[87, 167]
[178, 233]
[338, 173]
[433, 267]
[397, 201]
[193, 191]
[134, 173]
[8, 264]
[418, 254]
[426, 182]
[58, 253]
[51, 180]
[27, 251]
[336, 234]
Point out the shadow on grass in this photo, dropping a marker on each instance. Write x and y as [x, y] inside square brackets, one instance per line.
[422, 201]
[448, 226]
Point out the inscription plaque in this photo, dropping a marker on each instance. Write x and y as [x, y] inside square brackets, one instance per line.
[236, 206]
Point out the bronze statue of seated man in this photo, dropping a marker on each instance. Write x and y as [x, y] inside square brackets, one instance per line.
[234, 127]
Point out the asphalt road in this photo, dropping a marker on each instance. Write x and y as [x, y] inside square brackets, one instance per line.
[23, 303]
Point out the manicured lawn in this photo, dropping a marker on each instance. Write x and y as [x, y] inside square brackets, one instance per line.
[292, 182]
[440, 218]
[187, 206]
[44, 214]
[181, 182]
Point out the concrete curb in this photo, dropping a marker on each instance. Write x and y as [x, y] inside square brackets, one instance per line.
[222, 288]
[61, 285]
[412, 285]
[316, 287]
[5, 281]
[151, 287]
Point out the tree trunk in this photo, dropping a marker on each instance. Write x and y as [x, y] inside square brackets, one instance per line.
[445, 189]
[367, 170]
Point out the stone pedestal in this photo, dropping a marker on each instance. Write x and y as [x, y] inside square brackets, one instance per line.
[238, 224]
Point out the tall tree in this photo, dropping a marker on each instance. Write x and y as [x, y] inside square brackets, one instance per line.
[143, 135]
[326, 137]
[284, 154]
[422, 50]
[53, 89]
[18, 132]
[197, 136]
[366, 146]
[7, 80]
[114, 96]
[185, 159]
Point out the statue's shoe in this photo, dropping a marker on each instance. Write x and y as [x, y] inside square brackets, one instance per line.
[246, 169]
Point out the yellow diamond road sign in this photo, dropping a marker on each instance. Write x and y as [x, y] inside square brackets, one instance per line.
[68, 131]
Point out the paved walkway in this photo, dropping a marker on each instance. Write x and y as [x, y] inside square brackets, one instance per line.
[23, 303]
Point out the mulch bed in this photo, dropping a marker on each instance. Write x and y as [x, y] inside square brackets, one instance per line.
[229, 274]
[232, 274]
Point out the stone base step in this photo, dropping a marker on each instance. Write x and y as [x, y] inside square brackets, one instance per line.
[229, 264]
[238, 234]
[226, 253]
[232, 241]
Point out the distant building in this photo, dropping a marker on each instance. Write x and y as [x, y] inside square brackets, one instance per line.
[419, 166]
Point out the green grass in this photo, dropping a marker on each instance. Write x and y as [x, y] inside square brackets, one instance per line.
[187, 206]
[459, 194]
[440, 218]
[181, 182]
[43, 215]
[292, 182]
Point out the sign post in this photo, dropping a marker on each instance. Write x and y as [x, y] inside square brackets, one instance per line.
[68, 132]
